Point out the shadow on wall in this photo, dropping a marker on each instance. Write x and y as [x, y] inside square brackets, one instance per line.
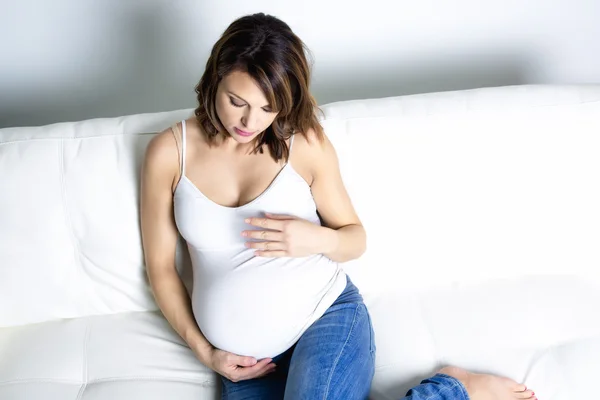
[147, 74]
[133, 69]
[375, 81]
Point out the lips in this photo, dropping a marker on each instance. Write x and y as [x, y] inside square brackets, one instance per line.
[242, 133]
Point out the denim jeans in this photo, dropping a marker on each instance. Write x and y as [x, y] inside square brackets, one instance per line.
[438, 387]
[333, 359]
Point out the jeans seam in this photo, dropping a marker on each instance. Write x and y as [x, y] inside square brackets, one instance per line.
[371, 332]
[455, 384]
[335, 363]
[435, 395]
[460, 386]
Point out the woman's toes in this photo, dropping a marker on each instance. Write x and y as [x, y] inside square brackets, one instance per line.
[527, 394]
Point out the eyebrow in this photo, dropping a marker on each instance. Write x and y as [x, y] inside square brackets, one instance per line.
[268, 105]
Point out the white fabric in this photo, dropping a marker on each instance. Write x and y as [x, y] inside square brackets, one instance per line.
[481, 210]
[247, 304]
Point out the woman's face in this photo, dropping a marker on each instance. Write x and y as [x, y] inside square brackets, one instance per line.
[242, 107]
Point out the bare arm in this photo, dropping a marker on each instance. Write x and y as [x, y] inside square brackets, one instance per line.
[159, 238]
[344, 238]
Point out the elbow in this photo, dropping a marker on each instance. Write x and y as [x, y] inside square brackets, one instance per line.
[359, 246]
[362, 248]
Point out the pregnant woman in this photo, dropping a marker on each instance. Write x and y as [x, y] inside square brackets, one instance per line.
[252, 184]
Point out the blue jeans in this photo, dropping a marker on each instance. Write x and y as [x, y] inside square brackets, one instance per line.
[438, 387]
[333, 359]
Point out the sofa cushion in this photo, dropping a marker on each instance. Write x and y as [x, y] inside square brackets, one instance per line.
[119, 356]
[513, 327]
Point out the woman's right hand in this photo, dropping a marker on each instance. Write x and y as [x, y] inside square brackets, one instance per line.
[239, 368]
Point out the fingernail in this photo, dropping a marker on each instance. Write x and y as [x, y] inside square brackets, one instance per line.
[244, 234]
[247, 220]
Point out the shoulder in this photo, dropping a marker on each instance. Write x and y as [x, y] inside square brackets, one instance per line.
[313, 153]
[163, 147]
[313, 145]
[161, 160]
[314, 148]
[167, 145]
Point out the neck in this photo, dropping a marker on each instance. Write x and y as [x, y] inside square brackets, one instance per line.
[230, 145]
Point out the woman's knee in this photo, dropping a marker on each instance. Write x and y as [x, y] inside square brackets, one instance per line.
[351, 376]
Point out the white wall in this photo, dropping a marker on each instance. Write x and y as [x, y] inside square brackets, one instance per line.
[75, 59]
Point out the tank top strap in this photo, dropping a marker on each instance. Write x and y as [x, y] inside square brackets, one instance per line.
[183, 141]
[180, 146]
[290, 149]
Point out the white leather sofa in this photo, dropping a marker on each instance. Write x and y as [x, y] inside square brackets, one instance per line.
[482, 209]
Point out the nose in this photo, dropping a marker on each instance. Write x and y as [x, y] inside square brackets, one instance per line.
[250, 120]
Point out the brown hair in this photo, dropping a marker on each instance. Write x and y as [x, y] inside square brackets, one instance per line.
[266, 48]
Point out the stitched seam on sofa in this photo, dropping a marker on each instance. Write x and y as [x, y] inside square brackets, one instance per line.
[427, 323]
[524, 107]
[204, 382]
[68, 221]
[40, 380]
[79, 137]
[396, 114]
[107, 380]
[84, 361]
[77, 255]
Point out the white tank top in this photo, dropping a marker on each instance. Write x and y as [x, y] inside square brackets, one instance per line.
[246, 304]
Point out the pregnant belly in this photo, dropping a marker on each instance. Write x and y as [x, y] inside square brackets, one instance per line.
[262, 311]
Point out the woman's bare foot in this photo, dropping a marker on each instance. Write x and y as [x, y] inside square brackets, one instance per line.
[489, 387]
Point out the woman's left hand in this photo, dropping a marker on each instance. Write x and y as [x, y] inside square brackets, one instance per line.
[288, 236]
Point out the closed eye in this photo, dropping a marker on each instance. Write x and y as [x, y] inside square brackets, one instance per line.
[234, 103]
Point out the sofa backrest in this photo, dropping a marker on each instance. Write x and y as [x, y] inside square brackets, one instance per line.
[70, 243]
[452, 188]
[456, 188]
